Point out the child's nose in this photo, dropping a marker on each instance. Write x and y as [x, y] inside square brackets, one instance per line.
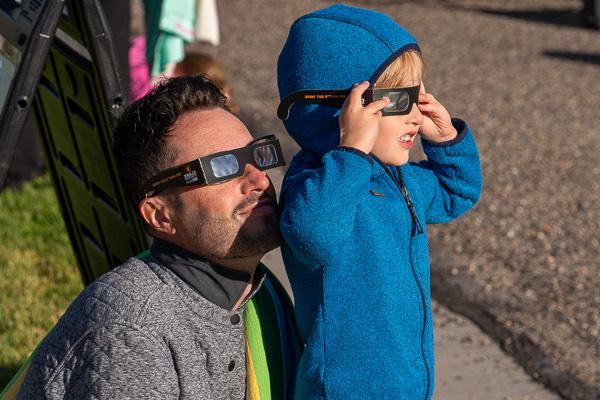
[415, 116]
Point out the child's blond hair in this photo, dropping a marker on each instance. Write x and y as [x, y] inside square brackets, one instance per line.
[402, 71]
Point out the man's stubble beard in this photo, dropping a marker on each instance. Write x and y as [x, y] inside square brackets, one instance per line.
[226, 238]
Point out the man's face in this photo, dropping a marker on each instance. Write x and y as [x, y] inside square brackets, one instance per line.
[233, 219]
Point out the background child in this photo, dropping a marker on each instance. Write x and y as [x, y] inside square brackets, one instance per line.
[196, 63]
[354, 210]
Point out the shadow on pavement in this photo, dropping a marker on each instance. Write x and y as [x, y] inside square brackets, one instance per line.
[590, 58]
[566, 17]
[375, 3]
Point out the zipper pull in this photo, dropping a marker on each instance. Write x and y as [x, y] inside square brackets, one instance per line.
[411, 207]
[417, 223]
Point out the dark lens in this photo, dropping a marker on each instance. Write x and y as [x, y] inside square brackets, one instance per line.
[398, 101]
[265, 156]
[224, 165]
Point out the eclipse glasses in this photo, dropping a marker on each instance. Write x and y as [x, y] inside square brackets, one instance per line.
[264, 153]
[401, 99]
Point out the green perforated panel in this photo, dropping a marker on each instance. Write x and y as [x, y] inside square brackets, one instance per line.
[72, 113]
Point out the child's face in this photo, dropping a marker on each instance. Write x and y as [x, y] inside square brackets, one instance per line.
[396, 136]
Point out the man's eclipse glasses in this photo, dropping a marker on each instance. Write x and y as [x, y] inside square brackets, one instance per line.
[401, 99]
[264, 153]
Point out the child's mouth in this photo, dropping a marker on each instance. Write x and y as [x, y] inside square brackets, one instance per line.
[406, 140]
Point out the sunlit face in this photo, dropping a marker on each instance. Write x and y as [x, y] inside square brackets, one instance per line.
[398, 132]
[396, 137]
[234, 219]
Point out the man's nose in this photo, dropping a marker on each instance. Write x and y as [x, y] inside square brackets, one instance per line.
[254, 179]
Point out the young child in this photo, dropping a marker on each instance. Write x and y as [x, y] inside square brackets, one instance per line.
[354, 210]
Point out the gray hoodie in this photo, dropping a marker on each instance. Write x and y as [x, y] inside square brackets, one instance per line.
[139, 331]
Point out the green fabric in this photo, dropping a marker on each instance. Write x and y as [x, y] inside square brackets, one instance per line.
[254, 338]
[170, 25]
[144, 256]
[271, 341]
[169, 49]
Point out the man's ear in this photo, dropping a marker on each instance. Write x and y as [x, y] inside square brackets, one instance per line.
[158, 215]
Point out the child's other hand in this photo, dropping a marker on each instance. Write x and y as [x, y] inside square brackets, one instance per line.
[437, 126]
[359, 126]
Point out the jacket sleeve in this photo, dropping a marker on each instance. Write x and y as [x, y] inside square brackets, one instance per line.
[319, 205]
[113, 362]
[450, 179]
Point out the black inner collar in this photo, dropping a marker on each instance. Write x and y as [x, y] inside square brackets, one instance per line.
[218, 284]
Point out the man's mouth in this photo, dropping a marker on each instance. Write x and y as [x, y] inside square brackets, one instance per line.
[265, 205]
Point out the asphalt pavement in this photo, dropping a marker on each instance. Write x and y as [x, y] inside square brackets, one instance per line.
[525, 75]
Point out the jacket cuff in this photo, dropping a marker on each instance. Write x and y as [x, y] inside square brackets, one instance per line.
[461, 128]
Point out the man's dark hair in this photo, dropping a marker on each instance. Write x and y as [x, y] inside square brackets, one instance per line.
[139, 142]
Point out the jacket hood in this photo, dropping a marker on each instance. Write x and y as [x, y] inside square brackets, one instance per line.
[334, 48]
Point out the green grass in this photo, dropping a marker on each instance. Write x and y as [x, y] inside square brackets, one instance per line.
[38, 272]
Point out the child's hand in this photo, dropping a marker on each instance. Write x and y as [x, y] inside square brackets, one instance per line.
[359, 126]
[437, 126]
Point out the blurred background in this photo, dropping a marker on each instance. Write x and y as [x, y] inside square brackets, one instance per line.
[523, 267]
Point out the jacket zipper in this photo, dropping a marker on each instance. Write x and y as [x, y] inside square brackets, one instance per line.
[415, 225]
[424, 323]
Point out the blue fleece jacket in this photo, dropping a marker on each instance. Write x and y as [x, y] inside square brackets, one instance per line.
[355, 246]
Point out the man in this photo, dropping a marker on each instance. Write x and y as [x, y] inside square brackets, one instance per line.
[172, 324]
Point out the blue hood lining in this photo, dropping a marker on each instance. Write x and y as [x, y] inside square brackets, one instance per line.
[390, 59]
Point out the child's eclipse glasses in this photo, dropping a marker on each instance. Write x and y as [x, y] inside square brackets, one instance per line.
[401, 99]
[264, 153]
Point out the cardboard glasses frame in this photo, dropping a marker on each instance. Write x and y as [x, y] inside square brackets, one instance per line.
[201, 171]
[336, 98]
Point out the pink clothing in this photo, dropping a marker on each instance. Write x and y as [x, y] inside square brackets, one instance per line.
[139, 74]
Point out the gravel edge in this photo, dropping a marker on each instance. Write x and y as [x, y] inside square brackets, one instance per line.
[460, 294]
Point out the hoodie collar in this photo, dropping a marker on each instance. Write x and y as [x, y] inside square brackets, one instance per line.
[218, 284]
